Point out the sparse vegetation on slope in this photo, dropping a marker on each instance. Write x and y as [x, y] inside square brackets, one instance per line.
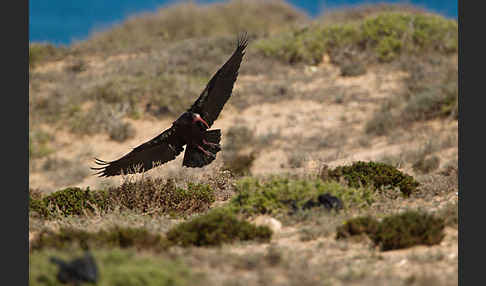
[382, 37]
[43, 52]
[188, 20]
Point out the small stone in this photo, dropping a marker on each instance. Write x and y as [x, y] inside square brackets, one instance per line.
[272, 223]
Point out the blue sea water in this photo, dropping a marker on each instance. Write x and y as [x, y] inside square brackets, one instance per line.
[62, 22]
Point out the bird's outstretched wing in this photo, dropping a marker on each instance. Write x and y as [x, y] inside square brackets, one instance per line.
[161, 149]
[218, 90]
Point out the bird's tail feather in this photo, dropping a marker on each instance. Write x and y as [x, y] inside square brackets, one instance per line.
[213, 136]
[196, 158]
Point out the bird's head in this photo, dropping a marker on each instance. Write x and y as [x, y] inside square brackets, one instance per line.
[197, 118]
[188, 118]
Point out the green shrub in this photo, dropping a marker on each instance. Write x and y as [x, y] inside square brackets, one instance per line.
[68, 202]
[384, 37]
[409, 229]
[374, 174]
[145, 195]
[357, 226]
[116, 267]
[114, 237]
[215, 228]
[280, 195]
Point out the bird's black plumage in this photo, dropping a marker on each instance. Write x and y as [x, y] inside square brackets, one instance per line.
[189, 129]
[218, 90]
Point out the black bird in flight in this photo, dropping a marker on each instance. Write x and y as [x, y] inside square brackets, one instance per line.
[189, 129]
[79, 270]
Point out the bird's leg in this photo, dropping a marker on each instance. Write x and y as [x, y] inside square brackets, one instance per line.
[206, 152]
[214, 145]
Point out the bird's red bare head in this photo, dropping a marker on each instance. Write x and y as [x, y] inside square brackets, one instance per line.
[197, 118]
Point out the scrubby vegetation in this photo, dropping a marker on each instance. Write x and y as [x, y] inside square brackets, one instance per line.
[146, 195]
[150, 195]
[188, 20]
[373, 174]
[215, 228]
[431, 92]
[281, 195]
[408, 229]
[38, 144]
[114, 237]
[43, 52]
[397, 231]
[116, 267]
[70, 201]
[357, 226]
[154, 65]
[383, 37]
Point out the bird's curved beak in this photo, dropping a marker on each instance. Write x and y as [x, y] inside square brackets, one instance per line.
[199, 118]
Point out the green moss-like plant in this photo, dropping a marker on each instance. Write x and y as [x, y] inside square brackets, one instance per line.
[374, 174]
[215, 228]
[117, 236]
[279, 195]
[409, 229]
[357, 226]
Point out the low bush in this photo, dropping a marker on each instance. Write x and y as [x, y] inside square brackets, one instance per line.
[68, 202]
[409, 229]
[373, 174]
[114, 237]
[397, 231]
[215, 228]
[357, 226]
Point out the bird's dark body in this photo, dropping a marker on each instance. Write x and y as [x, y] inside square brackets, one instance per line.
[190, 129]
[189, 132]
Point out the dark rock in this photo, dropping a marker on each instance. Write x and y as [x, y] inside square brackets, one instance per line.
[326, 200]
[79, 270]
